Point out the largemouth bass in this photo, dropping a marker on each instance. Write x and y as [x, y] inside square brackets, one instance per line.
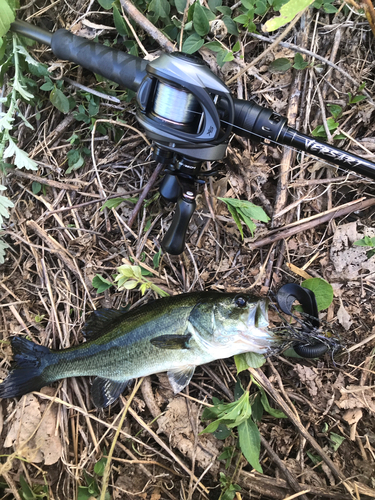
[173, 334]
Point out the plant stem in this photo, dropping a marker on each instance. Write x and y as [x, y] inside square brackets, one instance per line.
[110, 454]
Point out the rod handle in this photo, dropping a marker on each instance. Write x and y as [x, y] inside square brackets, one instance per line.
[120, 67]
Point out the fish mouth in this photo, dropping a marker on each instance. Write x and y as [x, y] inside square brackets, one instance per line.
[255, 336]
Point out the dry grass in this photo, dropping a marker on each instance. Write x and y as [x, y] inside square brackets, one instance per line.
[60, 239]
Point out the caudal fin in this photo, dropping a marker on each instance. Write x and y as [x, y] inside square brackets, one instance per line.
[26, 375]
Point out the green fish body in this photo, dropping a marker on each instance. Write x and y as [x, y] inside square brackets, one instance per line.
[173, 334]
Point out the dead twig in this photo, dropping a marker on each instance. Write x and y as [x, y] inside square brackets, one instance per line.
[271, 47]
[47, 182]
[114, 440]
[289, 476]
[294, 47]
[263, 380]
[163, 445]
[159, 167]
[145, 24]
[314, 221]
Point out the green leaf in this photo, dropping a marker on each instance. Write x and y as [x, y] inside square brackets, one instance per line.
[248, 208]
[180, 5]
[230, 25]
[236, 47]
[336, 440]
[200, 21]
[3, 247]
[266, 405]
[280, 65]
[261, 8]
[36, 187]
[299, 62]
[241, 364]
[100, 466]
[245, 210]
[316, 459]
[323, 291]
[227, 11]
[214, 46]
[120, 22]
[115, 202]
[27, 492]
[22, 159]
[101, 284]
[212, 427]
[160, 8]
[357, 98]
[236, 218]
[106, 4]
[6, 18]
[222, 432]
[159, 290]
[319, 131]
[291, 353]
[241, 19]
[249, 438]
[5, 203]
[83, 493]
[59, 100]
[214, 4]
[248, 4]
[75, 160]
[257, 408]
[47, 86]
[254, 360]
[250, 224]
[224, 56]
[365, 242]
[193, 43]
[156, 259]
[332, 124]
[288, 13]
[335, 110]
[329, 8]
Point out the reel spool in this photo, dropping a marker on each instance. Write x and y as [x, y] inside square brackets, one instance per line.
[177, 106]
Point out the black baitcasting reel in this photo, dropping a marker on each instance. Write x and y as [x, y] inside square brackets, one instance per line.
[189, 114]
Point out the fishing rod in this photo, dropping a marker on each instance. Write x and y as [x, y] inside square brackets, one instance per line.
[189, 114]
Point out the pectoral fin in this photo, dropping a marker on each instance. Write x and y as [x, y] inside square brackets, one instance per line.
[104, 391]
[180, 377]
[172, 341]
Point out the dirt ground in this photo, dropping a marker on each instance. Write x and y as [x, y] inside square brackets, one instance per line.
[60, 238]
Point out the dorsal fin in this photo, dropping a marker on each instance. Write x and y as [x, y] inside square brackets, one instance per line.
[101, 321]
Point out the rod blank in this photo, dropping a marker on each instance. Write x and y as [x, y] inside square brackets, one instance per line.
[38, 34]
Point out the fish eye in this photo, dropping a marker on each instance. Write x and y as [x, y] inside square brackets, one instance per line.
[240, 301]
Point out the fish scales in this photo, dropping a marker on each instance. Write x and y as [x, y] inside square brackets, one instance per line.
[173, 334]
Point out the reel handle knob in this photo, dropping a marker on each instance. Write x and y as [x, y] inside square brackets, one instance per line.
[174, 239]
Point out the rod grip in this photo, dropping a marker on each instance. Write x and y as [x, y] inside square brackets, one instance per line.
[120, 67]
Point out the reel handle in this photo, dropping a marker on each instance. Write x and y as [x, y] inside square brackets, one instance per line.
[174, 239]
[170, 188]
